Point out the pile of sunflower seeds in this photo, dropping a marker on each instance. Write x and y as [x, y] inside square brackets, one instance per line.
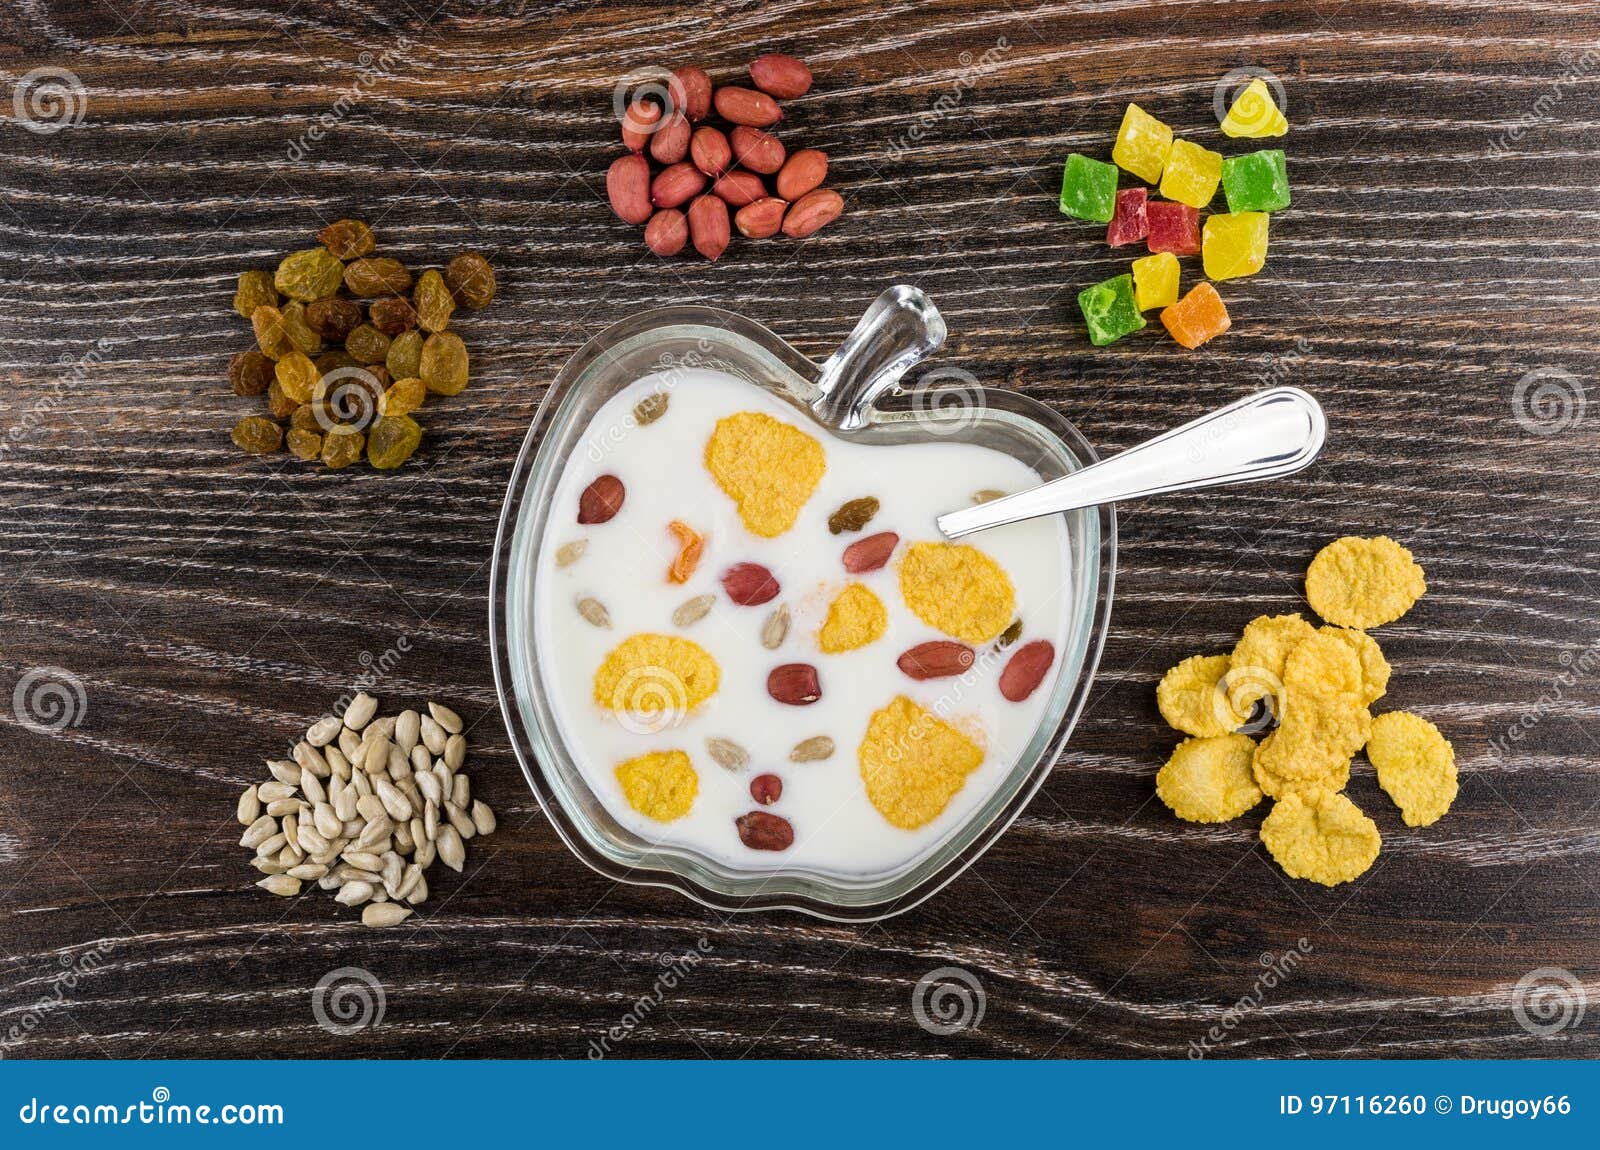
[364, 808]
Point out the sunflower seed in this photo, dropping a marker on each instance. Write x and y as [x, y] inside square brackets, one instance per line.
[384, 914]
[337, 763]
[446, 779]
[349, 743]
[377, 830]
[728, 754]
[987, 495]
[811, 750]
[331, 855]
[312, 840]
[291, 831]
[483, 817]
[433, 735]
[323, 731]
[354, 893]
[310, 759]
[268, 866]
[451, 851]
[363, 860]
[418, 829]
[408, 881]
[313, 789]
[693, 611]
[273, 791]
[280, 884]
[345, 806]
[360, 711]
[398, 806]
[425, 854]
[284, 771]
[594, 612]
[277, 808]
[569, 553]
[382, 725]
[445, 717]
[776, 629]
[271, 846]
[428, 783]
[461, 792]
[308, 871]
[460, 822]
[371, 807]
[327, 882]
[430, 821]
[377, 760]
[421, 760]
[407, 730]
[419, 893]
[291, 855]
[403, 842]
[362, 782]
[394, 869]
[249, 807]
[455, 752]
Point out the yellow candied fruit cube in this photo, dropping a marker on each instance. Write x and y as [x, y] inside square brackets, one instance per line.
[1254, 114]
[857, 617]
[1142, 144]
[1192, 174]
[1234, 245]
[1155, 280]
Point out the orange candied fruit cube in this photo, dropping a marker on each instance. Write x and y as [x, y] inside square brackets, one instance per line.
[1197, 317]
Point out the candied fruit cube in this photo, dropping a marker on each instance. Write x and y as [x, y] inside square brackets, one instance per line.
[1109, 310]
[1142, 144]
[1254, 113]
[1197, 317]
[1155, 280]
[1234, 245]
[1129, 224]
[1173, 228]
[1256, 182]
[1192, 174]
[1088, 189]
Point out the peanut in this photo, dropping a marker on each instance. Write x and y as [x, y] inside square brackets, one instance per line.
[628, 187]
[750, 584]
[765, 831]
[795, 684]
[812, 211]
[670, 144]
[937, 659]
[690, 91]
[676, 185]
[667, 232]
[739, 188]
[757, 150]
[601, 500]
[709, 150]
[802, 171]
[760, 219]
[1026, 670]
[708, 226]
[747, 106]
[871, 553]
[638, 122]
[782, 76]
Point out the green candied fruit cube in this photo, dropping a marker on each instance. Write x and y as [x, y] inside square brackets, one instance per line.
[1089, 189]
[1110, 310]
[1256, 181]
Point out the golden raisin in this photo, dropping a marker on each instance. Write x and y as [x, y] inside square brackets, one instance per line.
[433, 301]
[309, 274]
[403, 397]
[348, 239]
[305, 444]
[298, 375]
[378, 275]
[405, 354]
[393, 439]
[333, 318]
[853, 516]
[334, 360]
[341, 446]
[392, 315]
[444, 363]
[249, 373]
[267, 322]
[257, 435]
[255, 289]
[299, 332]
[367, 344]
[470, 279]
[279, 404]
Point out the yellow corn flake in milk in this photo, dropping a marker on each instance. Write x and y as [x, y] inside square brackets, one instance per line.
[1362, 583]
[855, 618]
[1374, 667]
[957, 589]
[1335, 776]
[913, 763]
[660, 676]
[1255, 670]
[1416, 766]
[660, 785]
[767, 467]
[1321, 836]
[1209, 780]
[1192, 700]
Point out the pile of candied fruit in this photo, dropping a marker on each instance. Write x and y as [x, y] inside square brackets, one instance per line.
[1319, 684]
[1230, 245]
[911, 761]
[354, 351]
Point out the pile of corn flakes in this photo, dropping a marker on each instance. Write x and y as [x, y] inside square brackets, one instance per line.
[1318, 684]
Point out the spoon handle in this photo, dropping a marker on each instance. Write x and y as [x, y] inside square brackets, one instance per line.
[1262, 436]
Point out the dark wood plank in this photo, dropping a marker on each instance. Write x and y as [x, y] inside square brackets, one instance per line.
[1439, 248]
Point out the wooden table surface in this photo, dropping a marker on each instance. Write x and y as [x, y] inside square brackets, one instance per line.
[196, 607]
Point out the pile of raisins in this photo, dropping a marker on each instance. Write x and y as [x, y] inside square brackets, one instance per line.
[350, 355]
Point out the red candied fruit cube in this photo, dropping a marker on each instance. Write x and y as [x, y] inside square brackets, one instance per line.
[1173, 228]
[1128, 224]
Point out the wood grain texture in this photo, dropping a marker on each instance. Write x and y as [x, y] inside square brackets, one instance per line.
[1439, 248]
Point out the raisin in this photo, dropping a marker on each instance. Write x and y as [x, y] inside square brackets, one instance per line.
[351, 395]
[854, 515]
[333, 318]
[433, 301]
[367, 344]
[470, 279]
[309, 274]
[250, 373]
[255, 288]
[257, 435]
[405, 355]
[444, 363]
[393, 315]
[403, 397]
[305, 444]
[306, 417]
[376, 276]
[341, 446]
[394, 438]
[298, 376]
[279, 404]
[298, 331]
[271, 338]
[651, 408]
[334, 360]
[1011, 634]
[348, 239]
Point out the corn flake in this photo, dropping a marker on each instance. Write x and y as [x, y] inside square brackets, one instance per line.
[1416, 766]
[1321, 666]
[767, 467]
[659, 676]
[1192, 700]
[1255, 669]
[1208, 780]
[660, 785]
[957, 589]
[1276, 786]
[855, 618]
[1374, 667]
[913, 763]
[1321, 836]
[1316, 740]
[1362, 583]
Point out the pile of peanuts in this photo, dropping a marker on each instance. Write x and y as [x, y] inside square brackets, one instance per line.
[732, 162]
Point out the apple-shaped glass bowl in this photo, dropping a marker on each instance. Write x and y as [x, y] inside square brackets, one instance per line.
[854, 394]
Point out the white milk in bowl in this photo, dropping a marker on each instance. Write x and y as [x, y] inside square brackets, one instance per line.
[698, 619]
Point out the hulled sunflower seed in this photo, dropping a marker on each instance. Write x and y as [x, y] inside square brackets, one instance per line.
[258, 832]
[407, 730]
[345, 806]
[349, 744]
[277, 808]
[593, 611]
[327, 882]
[425, 853]
[305, 872]
[384, 914]
[398, 806]
[337, 763]
[323, 731]
[310, 759]
[268, 866]
[728, 754]
[363, 860]
[776, 629]
[811, 750]
[248, 809]
[987, 495]
[455, 752]
[419, 893]
[360, 711]
[483, 817]
[408, 881]
[394, 869]
[461, 792]
[569, 553]
[281, 885]
[433, 735]
[354, 893]
[696, 609]
[371, 807]
[312, 788]
[273, 791]
[430, 821]
[460, 821]
[445, 717]
[451, 851]
[284, 771]
[428, 783]
[421, 760]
